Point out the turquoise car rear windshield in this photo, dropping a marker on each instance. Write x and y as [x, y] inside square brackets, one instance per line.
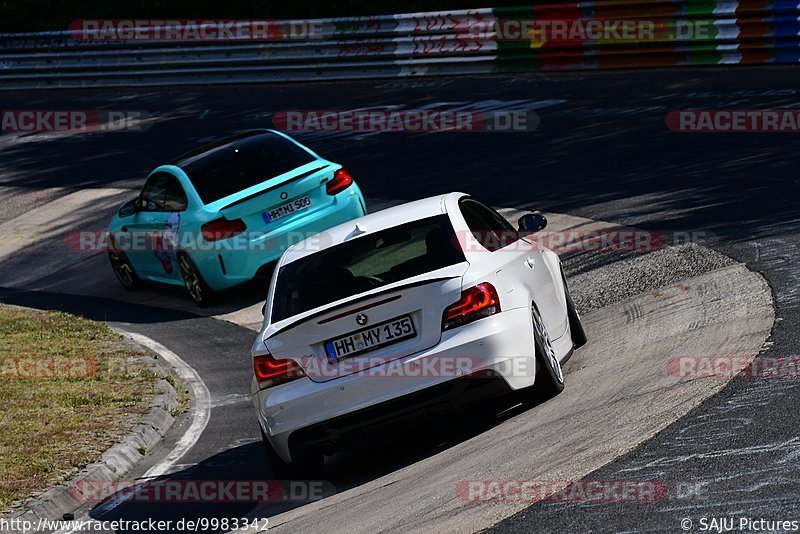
[365, 263]
[225, 170]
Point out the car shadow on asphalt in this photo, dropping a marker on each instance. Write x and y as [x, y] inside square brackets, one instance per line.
[241, 484]
[395, 450]
[235, 483]
[93, 278]
[173, 303]
[95, 308]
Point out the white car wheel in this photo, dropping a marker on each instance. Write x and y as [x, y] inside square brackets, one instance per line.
[550, 377]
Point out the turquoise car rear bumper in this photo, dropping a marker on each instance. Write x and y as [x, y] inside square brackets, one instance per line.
[237, 260]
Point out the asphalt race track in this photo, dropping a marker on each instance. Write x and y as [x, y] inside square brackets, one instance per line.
[601, 151]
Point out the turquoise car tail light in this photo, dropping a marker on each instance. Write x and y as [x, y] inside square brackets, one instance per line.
[341, 181]
[222, 229]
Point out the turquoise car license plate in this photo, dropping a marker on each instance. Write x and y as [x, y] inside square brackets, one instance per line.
[294, 206]
[371, 338]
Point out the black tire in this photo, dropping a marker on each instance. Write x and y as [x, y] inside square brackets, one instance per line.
[123, 270]
[549, 376]
[198, 290]
[309, 467]
[576, 329]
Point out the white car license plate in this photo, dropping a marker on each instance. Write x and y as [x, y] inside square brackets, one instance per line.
[294, 206]
[370, 338]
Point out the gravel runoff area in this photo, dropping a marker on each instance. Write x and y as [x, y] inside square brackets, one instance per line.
[596, 286]
[600, 277]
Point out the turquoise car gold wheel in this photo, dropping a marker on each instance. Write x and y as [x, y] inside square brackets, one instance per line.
[123, 270]
[201, 294]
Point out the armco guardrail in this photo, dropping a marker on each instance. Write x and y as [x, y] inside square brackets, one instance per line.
[681, 32]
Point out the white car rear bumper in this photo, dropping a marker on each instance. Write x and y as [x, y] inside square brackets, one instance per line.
[502, 343]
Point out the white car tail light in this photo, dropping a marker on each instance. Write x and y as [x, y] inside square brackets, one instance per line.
[475, 303]
[271, 372]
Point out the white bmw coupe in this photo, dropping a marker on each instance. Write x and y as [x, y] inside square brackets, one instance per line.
[398, 314]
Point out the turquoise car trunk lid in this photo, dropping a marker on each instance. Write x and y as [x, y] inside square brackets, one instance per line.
[251, 204]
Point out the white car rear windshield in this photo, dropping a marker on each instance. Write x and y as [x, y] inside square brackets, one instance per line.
[365, 263]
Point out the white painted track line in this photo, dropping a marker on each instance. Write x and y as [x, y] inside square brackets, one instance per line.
[200, 413]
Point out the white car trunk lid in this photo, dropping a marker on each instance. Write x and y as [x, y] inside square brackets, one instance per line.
[367, 330]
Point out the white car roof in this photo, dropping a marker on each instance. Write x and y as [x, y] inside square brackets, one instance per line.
[374, 222]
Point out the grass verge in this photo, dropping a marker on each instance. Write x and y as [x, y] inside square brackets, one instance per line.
[70, 388]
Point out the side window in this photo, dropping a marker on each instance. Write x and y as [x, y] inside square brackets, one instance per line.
[489, 227]
[174, 195]
[163, 192]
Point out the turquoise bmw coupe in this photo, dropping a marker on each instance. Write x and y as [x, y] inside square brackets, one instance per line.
[220, 215]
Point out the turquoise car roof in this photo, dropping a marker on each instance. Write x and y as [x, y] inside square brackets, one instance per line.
[198, 153]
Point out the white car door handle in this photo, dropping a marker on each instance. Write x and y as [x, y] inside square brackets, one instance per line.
[530, 262]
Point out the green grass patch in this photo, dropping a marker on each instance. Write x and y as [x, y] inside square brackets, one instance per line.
[70, 388]
[182, 395]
